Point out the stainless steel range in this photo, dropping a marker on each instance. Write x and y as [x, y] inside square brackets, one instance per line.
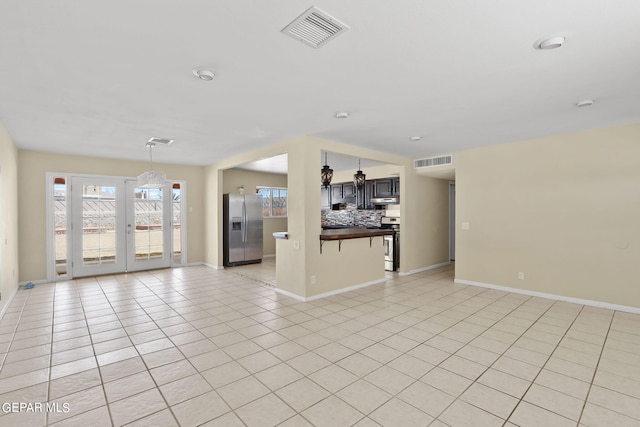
[391, 243]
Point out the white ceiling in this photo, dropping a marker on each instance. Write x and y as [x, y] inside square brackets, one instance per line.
[101, 78]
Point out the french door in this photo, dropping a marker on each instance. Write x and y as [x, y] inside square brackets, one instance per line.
[117, 227]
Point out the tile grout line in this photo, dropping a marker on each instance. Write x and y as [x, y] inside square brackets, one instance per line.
[15, 330]
[545, 364]
[53, 318]
[95, 356]
[138, 352]
[595, 371]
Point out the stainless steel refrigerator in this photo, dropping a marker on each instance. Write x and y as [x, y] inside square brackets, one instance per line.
[242, 237]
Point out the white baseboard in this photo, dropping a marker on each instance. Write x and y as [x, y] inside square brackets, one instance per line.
[420, 270]
[269, 256]
[599, 304]
[190, 264]
[9, 301]
[328, 294]
[215, 267]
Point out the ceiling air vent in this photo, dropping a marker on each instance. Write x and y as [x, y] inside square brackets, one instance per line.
[432, 161]
[315, 28]
[157, 140]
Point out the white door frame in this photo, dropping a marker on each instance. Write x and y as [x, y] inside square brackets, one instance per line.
[452, 220]
[50, 226]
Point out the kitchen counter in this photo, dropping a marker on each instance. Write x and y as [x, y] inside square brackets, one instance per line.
[353, 233]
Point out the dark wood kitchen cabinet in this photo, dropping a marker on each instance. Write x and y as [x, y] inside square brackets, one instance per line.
[336, 193]
[325, 198]
[384, 187]
[369, 193]
[348, 190]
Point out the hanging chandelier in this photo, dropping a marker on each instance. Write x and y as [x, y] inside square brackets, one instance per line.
[326, 173]
[359, 178]
[151, 178]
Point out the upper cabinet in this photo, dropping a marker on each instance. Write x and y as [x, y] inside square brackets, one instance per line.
[336, 193]
[348, 190]
[325, 198]
[369, 193]
[384, 187]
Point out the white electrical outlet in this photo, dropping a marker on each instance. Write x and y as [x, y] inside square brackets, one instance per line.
[465, 225]
[313, 280]
[296, 244]
[521, 275]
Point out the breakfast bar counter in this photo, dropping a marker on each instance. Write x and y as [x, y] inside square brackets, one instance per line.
[341, 234]
[353, 233]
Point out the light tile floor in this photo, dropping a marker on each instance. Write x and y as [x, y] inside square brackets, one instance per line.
[195, 346]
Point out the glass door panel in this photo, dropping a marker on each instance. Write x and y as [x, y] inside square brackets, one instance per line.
[148, 227]
[98, 219]
[176, 217]
[60, 224]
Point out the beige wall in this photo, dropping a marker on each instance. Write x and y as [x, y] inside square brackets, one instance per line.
[563, 210]
[424, 233]
[233, 178]
[32, 169]
[355, 262]
[8, 217]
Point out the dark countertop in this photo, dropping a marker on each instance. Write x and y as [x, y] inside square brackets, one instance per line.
[336, 227]
[353, 233]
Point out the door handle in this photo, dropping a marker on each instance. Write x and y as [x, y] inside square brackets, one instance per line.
[244, 222]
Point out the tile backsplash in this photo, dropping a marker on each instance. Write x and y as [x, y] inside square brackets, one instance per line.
[352, 216]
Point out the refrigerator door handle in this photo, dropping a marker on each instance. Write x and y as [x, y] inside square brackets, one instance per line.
[244, 222]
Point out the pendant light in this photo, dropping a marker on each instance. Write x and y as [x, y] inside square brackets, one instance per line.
[326, 173]
[359, 178]
[151, 178]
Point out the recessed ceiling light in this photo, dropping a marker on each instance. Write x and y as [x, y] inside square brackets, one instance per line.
[585, 103]
[342, 115]
[415, 138]
[550, 43]
[203, 74]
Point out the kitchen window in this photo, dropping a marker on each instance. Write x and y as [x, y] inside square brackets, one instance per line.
[274, 201]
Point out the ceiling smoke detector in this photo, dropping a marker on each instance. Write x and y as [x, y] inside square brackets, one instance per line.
[415, 138]
[315, 28]
[203, 74]
[342, 115]
[550, 43]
